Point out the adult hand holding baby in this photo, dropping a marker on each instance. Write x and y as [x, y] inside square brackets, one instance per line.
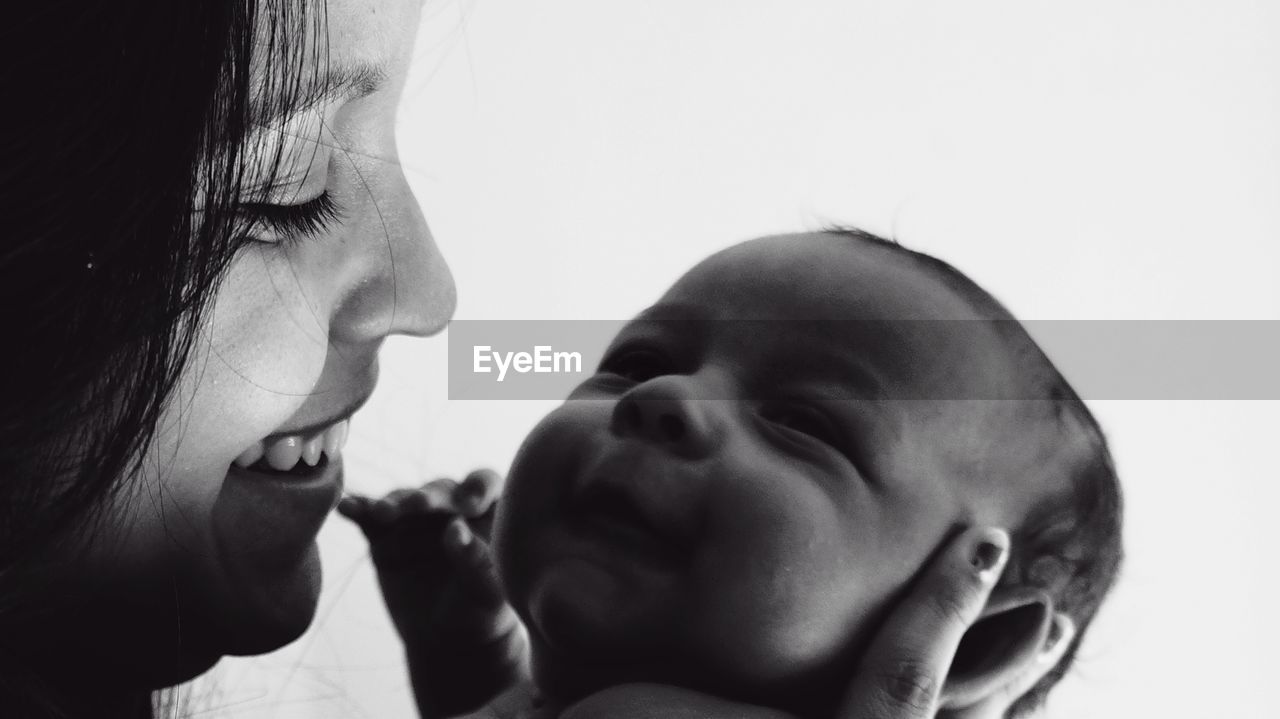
[903, 674]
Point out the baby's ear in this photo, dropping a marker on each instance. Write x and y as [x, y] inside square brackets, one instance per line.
[1016, 641]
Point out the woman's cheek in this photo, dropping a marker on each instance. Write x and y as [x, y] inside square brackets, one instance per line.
[268, 326]
[258, 355]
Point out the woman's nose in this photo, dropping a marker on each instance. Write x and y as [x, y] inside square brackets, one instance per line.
[664, 412]
[405, 286]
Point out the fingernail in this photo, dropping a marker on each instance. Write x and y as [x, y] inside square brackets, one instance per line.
[989, 554]
[473, 489]
[382, 511]
[471, 494]
[457, 535]
[1055, 635]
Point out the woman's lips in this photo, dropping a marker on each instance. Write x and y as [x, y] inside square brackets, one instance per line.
[319, 430]
[270, 518]
[264, 525]
[279, 491]
[283, 487]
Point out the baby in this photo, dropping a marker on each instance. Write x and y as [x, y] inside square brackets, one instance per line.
[760, 466]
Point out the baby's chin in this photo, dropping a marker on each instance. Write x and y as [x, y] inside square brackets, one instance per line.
[593, 638]
[566, 677]
[578, 610]
[586, 637]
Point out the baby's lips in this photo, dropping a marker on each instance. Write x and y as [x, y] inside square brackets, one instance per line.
[658, 490]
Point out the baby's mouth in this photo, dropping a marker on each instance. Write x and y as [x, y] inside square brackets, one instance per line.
[296, 454]
[608, 511]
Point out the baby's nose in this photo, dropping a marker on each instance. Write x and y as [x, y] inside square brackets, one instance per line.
[664, 412]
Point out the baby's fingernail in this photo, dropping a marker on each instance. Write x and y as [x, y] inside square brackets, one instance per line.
[472, 489]
[989, 553]
[471, 498]
[349, 506]
[457, 535]
[383, 511]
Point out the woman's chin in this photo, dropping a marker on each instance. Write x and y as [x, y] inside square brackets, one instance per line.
[220, 618]
[267, 583]
[271, 611]
[222, 615]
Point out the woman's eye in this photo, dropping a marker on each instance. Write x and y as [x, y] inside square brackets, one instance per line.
[290, 223]
[804, 420]
[636, 365]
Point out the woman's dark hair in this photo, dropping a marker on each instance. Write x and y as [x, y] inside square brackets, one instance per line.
[125, 164]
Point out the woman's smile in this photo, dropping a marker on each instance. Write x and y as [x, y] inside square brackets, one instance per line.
[296, 452]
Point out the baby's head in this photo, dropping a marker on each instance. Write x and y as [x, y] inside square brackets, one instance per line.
[768, 456]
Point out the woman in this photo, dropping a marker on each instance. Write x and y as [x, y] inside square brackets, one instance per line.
[212, 239]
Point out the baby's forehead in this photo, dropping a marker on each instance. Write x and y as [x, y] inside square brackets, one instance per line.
[831, 304]
[820, 276]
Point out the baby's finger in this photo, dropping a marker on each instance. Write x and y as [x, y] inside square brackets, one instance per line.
[439, 495]
[354, 507]
[477, 492]
[902, 672]
[396, 504]
[473, 557]
[435, 496]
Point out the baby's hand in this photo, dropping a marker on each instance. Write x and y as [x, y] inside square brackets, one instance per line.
[429, 548]
[429, 545]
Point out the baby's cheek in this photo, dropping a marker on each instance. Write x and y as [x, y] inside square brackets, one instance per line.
[798, 594]
[528, 506]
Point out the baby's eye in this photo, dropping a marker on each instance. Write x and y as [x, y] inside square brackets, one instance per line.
[636, 365]
[805, 420]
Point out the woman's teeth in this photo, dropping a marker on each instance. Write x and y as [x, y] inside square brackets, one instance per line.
[283, 453]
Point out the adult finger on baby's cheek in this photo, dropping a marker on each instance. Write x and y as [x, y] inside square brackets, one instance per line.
[478, 491]
[958, 584]
[902, 672]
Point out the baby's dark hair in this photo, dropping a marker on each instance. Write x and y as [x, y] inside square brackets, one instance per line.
[1070, 547]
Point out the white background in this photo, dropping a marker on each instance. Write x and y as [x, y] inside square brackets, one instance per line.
[1091, 159]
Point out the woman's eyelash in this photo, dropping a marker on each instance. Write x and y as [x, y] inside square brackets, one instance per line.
[293, 222]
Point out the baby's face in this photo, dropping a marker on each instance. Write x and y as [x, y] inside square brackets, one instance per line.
[730, 502]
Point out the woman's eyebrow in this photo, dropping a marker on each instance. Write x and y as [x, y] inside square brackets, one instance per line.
[343, 83]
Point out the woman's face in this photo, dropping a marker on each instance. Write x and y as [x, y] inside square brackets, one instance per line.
[287, 351]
